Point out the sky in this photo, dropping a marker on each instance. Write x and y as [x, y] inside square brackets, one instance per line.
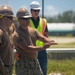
[51, 7]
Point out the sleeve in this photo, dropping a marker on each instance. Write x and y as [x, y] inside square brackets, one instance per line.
[45, 32]
[45, 25]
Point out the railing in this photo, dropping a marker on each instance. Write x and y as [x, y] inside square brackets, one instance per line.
[61, 50]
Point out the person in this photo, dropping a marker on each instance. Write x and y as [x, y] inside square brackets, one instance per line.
[11, 31]
[6, 55]
[25, 43]
[41, 25]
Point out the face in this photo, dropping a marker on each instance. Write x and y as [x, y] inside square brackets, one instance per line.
[24, 22]
[35, 13]
[8, 20]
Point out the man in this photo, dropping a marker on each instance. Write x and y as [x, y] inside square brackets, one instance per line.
[41, 25]
[25, 43]
[11, 31]
[6, 19]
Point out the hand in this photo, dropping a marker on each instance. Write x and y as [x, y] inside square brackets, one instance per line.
[52, 42]
[46, 45]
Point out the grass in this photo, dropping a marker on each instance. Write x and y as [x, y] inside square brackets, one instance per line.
[66, 67]
[64, 45]
[70, 41]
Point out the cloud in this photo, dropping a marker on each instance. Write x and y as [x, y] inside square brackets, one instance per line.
[51, 11]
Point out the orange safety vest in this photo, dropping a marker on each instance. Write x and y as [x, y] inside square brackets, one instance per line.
[41, 28]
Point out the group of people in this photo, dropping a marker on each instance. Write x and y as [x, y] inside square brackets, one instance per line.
[30, 40]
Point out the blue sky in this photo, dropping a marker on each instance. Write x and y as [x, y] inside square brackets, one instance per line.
[52, 7]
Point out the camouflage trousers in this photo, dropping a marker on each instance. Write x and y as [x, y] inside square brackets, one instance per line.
[28, 67]
[8, 71]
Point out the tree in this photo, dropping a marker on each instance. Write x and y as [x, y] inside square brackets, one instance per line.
[67, 16]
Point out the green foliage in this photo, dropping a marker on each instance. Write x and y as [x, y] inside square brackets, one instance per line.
[63, 63]
[65, 41]
[66, 67]
[64, 45]
[67, 16]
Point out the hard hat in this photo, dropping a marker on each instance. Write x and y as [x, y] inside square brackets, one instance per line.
[35, 5]
[23, 13]
[6, 11]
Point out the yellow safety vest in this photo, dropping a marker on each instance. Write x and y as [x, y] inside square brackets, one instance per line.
[41, 28]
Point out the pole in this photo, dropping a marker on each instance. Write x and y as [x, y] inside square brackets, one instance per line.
[42, 8]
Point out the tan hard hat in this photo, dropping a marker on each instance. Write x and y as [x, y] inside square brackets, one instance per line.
[6, 10]
[23, 13]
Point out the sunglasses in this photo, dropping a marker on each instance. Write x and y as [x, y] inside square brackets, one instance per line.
[36, 10]
[9, 17]
[24, 18]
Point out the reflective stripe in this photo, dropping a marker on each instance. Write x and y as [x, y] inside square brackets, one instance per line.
[41, 28]
[44, 25]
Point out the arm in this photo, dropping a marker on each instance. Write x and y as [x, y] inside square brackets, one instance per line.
[1, 33]
[2, 68]
[46, 32]
[45, 39]
[21, 43]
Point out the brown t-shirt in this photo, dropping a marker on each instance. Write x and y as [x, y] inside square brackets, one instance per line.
[5, 49]
[29, 36]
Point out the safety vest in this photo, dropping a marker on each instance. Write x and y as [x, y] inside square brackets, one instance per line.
[41, 28]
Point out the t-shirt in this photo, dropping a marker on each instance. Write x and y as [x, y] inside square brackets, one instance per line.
[29, 36]
[5, 48]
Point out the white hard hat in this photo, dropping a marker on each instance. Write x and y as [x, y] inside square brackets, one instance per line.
[35, 5]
